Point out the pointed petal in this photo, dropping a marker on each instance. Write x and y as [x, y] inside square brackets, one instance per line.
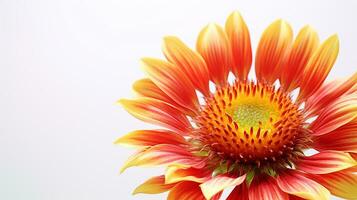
[186, 191]
[304, 45]
[297, 184]
[267, 189]
[219, 183]
[191, 62]
[319, 66]
[147, 88]
[329, 93]
[212, 44]
[341, 184]
[163, 154]
[325, 162]
[173, 81]
[176, 174]
[343, 138]
[337, 114]
[147, 138]
[239, 38]
[157, 112]
[272, 51]
[154, 185]
[240, 192]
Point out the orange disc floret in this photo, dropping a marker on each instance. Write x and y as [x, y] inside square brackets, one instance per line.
[251, 122]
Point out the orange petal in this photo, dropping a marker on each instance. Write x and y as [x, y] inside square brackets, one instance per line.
[147, 88]
[325, 162]
[304, 45]
[154, 185]
[297, 184]
[173, 81]
[341, 184]
[176, 174]
[319, 66]
[240, 192]
[191, 63]
[157, 112]
[272, 51]
[239, 38]
[186, 191]
[213, 45]
[219, 183]
[267, 189]
[146, 138]
[343, 138]
[335, 115]
[163, 154]
[328, 93]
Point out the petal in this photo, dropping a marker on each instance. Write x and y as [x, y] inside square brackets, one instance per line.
[343, 138]
[272, 51]
[335, 115]
[186, 191]
[325, 162]
[318, 66]
[341, 184]
[146, 138]
[173, 81]
[212, 44]
[191, 63]
[147, 88]
[267, 189]
[154, 185]
[219, 183]
[157, 112]
[329, 93]
[176, 174]
[163, 154]
[297, 184]
[304, 45]
[240, 192]
[239, 39]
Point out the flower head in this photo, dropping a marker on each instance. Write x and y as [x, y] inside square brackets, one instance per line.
[250, 134]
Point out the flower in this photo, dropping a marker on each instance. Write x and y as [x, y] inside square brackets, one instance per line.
[251, 134]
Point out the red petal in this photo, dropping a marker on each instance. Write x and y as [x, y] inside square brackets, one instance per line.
[304, 45]
[186, 191]
[343, 138]
[272, 51]
[240, 192]
[318, 67]
[219, 183]
[239, 38]
[144, 138]
[191, 63]
[176, 174]
[157, 112]
[154, 185]
[147, 88]
[341, 184]
[335, 115]
[163, 154]
[297, 184]
[213, 45]
[267, 189]
[325, 162]
[329, 93]
[173, 81]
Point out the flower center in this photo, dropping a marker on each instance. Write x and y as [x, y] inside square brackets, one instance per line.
[251, 123]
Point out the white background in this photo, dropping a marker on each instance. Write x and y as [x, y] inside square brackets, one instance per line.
[63, 64]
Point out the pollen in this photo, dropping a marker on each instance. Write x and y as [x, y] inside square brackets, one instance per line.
[251, 122]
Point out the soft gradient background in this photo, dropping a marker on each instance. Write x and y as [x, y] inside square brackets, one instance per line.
[63, 65]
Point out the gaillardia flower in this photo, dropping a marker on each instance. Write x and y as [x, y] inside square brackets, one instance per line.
[250, 135]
